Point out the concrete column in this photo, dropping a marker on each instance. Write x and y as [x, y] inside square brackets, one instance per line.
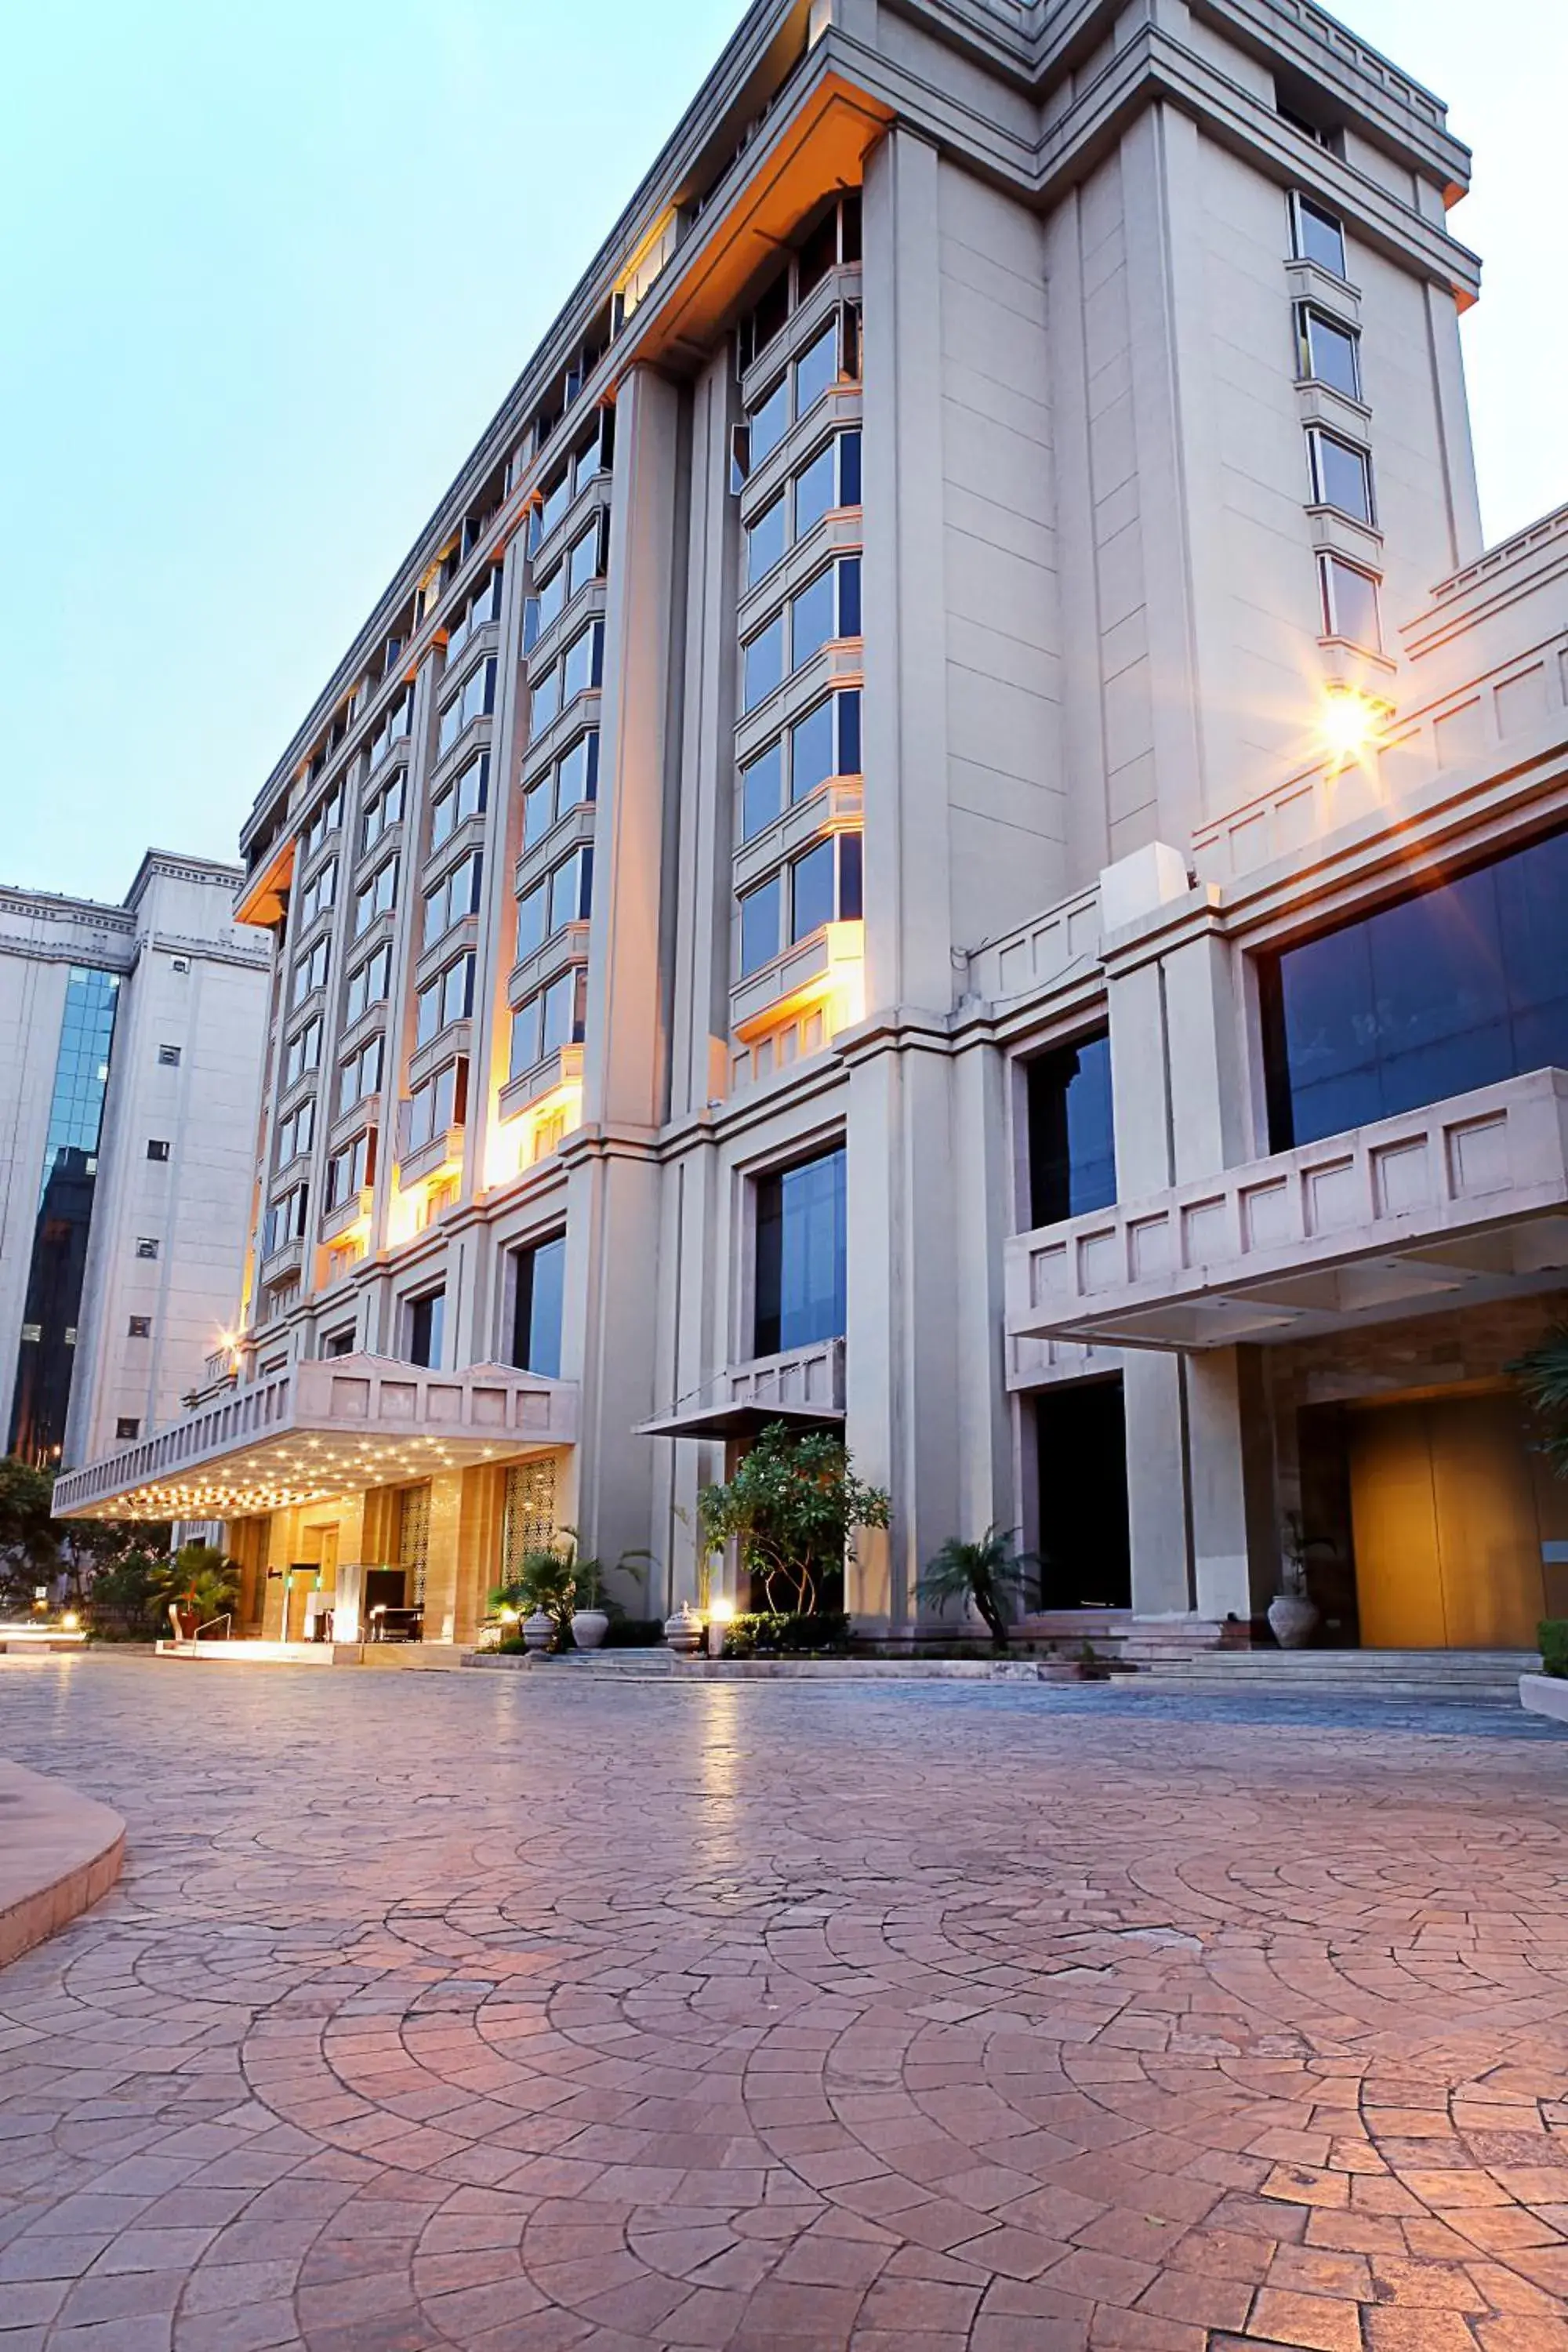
[908, 914]
[1235, 1552]
[901, 1351]
[608, 1339]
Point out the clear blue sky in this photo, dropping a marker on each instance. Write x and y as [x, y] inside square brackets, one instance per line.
[266, 271]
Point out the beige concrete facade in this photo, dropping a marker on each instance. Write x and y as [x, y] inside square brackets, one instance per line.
[812, 711]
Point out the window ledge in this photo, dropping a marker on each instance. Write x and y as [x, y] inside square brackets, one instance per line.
[1334, 532]
[583, 710]
[573, 831]
[838, 533]
[836, 806]
[554, 541]
[561, 1068]
[463, 935]
[1321, 404]
[452, 1039]
[547, 646]
[1309, 283]
[347, 1213]
[442, 1152]
[818, 967]
[569, 945]
[840, 661]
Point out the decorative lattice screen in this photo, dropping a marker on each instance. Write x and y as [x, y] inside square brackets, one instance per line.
[413, 1536]
[530, 1520]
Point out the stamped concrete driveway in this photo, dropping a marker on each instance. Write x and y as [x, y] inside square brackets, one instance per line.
[526, 2012]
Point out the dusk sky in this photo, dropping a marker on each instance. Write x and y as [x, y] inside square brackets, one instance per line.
[267, 273]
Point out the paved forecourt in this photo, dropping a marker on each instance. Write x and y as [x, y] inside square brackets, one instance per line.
[526, 2012]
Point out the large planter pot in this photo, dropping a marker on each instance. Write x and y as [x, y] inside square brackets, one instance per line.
[589, 1627]
[537, 1632]
[683, 1632]
[1293, 1620]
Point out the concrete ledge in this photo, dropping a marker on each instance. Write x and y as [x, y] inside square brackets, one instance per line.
[1545, 1695]
[246, 1654]
[59, 1853]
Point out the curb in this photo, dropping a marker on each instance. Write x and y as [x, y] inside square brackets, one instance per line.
[59, 1853]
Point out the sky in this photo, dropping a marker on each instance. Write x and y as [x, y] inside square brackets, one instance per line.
[266, 269]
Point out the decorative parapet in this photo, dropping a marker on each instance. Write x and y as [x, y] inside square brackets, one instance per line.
[335, 1425]
[1044, 949]
[1458, 1200]
[802, 1384]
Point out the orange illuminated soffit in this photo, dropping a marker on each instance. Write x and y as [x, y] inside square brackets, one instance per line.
[821, 147]
[260, 898]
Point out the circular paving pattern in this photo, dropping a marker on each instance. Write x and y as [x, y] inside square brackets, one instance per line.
[519, 2013]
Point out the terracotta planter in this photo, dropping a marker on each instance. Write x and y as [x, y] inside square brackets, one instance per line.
[683, 1632]
[589, 1627]
[537, 1632]
[1293, 1620]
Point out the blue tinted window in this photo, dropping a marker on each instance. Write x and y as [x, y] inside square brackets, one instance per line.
[1072, 1144]
[759, 926]
[762, 791]
[800, 1255]
[1457, 987]
[765, 663]
[536, 1329]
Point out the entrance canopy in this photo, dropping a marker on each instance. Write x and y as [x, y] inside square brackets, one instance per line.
[1450, 1205]
[315, 1429]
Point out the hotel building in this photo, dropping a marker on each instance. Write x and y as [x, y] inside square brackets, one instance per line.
[130, 1082]
[950, 833]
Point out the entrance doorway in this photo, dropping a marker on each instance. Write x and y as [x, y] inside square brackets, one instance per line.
[1450, 1510]
[315, 1571]
[1086, 1553]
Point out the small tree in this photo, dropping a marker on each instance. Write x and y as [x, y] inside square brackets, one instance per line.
[989, 1573]
[791, 1509]
[119, 1602]
[30, 1547]
[1542, 1374]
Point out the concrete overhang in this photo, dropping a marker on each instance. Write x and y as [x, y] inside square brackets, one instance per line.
[262, 896]
[803, 1386]
[1451, 1205]
[331, 1427]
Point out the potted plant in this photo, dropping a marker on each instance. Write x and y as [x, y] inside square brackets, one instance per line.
[591, 1617]
[987, 1575]
[1293, 1613]
[543, 1594]
[198, 1585]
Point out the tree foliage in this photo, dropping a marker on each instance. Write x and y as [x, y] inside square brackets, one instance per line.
[199, 1581]
[1542, 1374]
[989, 1573]
[791, 1509]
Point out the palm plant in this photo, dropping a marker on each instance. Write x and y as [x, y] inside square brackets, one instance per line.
[546, 1582]
[1542, 1374]
[989, 1573]
[200, 1580]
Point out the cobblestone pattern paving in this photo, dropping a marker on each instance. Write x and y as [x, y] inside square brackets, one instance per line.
[519, 2014]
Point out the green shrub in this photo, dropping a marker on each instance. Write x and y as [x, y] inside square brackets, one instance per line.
[1553, 1636]
[814, 1632]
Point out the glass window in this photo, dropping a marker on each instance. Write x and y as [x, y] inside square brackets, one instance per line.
[570, 885]
[769, 422]
[765, 540]
[1350, 603]
[763, 662]
[378, 895]
[816, 370]
[524, 1037]
[762, 790]
[817, 255]
[538, 814]
[826, 607]
[474, 697]
[531, 918]
[544, 703]
[812, 891]
[800, 1255]
[370, 984]
[760, 931]
[1329, 353]
[770, 317]
[1318, 236]
[577, 772]
[536, 1322]
[584, 562]
[462, 799]
[584, 662]
[1457, 987]
[558, 1014]
[831, 479]
[813, 755]
[1072, 1146]
[1341, 474]
[426, 1328]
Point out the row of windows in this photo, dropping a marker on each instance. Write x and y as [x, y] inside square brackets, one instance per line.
[564, 894]
[592, 457]
[587, 559]
[482, 607]
[464, 797]
[475, 699]
[826, 609]
[375, 898]
[296, 1134]
[448, 997]
[831, 358]
[827, 481]
[823, 744]
[565, 786]
[455, 895]
[821, 887]
[580, 668]
[834, 243]
[1328, 351]
[551, 1017]
[360, 1075]
[350, 1170]
[436, 1105]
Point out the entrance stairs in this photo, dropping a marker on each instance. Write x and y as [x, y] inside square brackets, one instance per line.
[1437, 1677]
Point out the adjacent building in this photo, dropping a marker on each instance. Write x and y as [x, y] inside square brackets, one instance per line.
[949, 833]
[130, 1082]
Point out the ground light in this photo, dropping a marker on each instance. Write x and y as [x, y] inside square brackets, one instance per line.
[721, 1612]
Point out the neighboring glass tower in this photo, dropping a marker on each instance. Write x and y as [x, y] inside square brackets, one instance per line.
[47, 1355]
